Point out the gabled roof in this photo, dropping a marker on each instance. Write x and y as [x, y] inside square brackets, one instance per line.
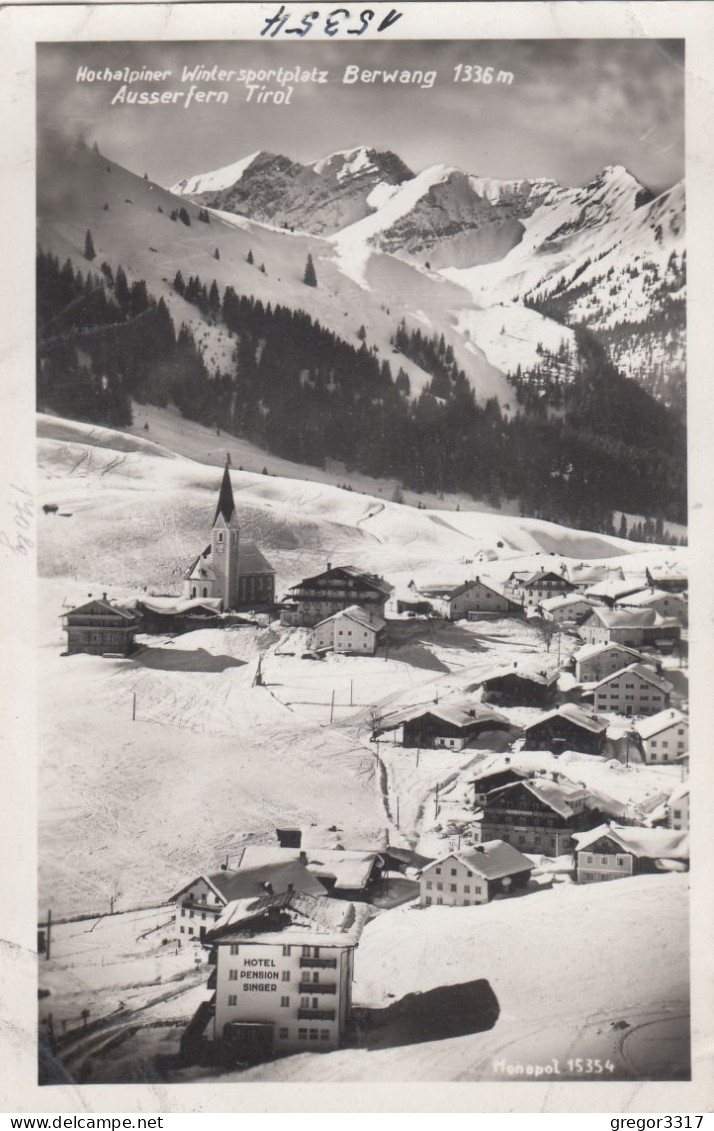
[663, 720]
[644, 672]
[244, 883]
[550, 604]
[200, 569]
[558, 796]
[589, 651]
[542, 676]
[226, 506]
[588, 574]
[651, 844]
[613, 588]
[351, 573]
[679, 793]
[645, 597]
[170, 606]
[300, 918]
[493, 860]
[457, 713]
[359, 615]
[623, 618]
[490, 585]
[575, 715]
[251, 561]
[542, 574]
[102, 608]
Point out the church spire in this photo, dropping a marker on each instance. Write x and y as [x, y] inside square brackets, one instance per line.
[226, 506]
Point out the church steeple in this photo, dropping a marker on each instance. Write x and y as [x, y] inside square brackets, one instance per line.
[226, 506]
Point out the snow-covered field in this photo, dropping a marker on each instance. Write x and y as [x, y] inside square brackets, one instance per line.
[133, 807]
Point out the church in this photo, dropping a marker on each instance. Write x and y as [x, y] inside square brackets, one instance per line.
[235, 573]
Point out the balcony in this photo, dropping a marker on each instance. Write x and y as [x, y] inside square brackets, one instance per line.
[317, 988]
[316, 1015]
[318, 963]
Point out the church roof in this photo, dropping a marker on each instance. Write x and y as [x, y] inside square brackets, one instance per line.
[226, 506]
[251, 560]
[200, 568]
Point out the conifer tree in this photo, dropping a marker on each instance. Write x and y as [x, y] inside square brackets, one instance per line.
[216, 254]
[89, 252]
[309, 278]
[249, 257]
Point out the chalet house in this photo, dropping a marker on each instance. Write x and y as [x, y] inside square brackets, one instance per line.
[631, 627]
[538, 815]
[345, 873]
[678, 808]
[663, 737]
[101, 628]
[665, 603]
[228, 570]
[450, 726]
[200, 904]
[634, 690]
[585, 574]
[474, 875]
[594, 661]
[494, 779]
[611, 852]
[568, 609]
[529, 591]
[315, 598]
[521, 687]
[479, 597]
[671, 578]
[568, 728]
[283, 976]
[353, 630]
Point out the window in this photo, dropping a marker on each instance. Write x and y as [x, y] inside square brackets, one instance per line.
[439, 902]
[302, 1034]
[439, 887]
[314, 1034]
[324, 1034]
[304, 1002]
[285, 976]
[621, 862]
[183, 930]
[603, 859]
[453, 887]
[286, 952]
[427, 901]
[467, 887]
[428, 885]
[285, 1002]
[477, 889]
[284, 1034]
[453, 871]
[438, 871]
[183, 912]
[233, 999]
[190, 930]
[235, 947]
[467, 903]
[191, 915]
[678, 813]
[233, 975]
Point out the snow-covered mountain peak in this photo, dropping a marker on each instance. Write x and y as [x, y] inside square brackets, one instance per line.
[216, 179]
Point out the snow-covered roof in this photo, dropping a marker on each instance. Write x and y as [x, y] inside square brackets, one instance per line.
[541, 574]
[589, 651]
[588, 574]
[623, 618]
[653, 725]
[524, 670]
[644, 671]
[679, 793]
[173, 605]
[575, 715]
[359, 615]
[613, 589]
[490, 585]
[355, 839]
[368, 579]
[291, 917]
[651, 844]
[198, 571]
[558, 796]
[104, 605]
[493, 860]
[457, 713]
[551, 604]
[645, 597]
[249, 882]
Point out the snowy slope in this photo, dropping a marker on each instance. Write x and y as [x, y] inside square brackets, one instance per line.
[215, 180]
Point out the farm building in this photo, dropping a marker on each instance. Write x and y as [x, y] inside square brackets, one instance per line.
[478, 597]
[353, 629]
[449, 725]
[610, 590]
[669, 577]
[494, 779]
[568, 728]
[634, 690]
[678, 808]
[474, 875]
[314, 599]
[521, 687]
[585, 574]
[663, 737]
[174, 615]
[283, 975]
[101, 628]
[568, 609]
[612, 852]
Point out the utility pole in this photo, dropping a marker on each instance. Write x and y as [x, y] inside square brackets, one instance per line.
[332, 705]
[436, 801]
[133, 708]
[351, 692]
[417, 755]
[397, 812]
[48, 949]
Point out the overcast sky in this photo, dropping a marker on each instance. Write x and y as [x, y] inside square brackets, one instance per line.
[573, 107]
